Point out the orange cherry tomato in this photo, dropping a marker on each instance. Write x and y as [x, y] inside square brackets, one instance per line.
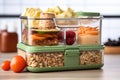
[18, 64]
[5, 65]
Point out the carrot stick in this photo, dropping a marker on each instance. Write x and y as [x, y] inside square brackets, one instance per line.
[88, 30]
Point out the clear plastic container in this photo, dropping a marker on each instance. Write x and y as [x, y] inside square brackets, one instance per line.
[33, 32]
[64, 31]
[56, 58]
[68, 30]
[89, 32]
[84, 30]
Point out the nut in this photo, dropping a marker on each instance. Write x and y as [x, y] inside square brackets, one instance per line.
[91, 57]
[47, 59]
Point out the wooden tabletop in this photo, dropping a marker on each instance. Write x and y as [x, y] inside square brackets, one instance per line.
[110, 71]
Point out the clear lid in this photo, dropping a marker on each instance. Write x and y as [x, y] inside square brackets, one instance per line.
[40, 48]
[57, 48]
[67, 22]
[88, 13]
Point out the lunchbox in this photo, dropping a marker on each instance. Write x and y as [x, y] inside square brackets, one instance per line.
[60, 58]
[56, 44]
[49, 31]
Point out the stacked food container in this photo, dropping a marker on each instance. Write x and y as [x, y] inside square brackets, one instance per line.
[54, 44]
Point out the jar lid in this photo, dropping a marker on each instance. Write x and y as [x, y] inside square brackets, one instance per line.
[87, 13]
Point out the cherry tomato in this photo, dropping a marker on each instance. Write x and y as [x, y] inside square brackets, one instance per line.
[5, 65]
[18, 64]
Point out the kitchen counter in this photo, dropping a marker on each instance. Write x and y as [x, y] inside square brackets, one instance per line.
[110, 71]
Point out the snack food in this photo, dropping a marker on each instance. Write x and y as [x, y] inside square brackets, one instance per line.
[32, 13]
[43, 39]
[42, 33]
[112, 46]
[55, 12]
[70, 37]
[91, 57]
[88, 35]
[45, 59]
[47, 24]
[60, 13]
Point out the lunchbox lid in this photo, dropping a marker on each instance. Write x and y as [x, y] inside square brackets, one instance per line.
[85, 47]
[28, 48]
[91, 47]
[87, 13]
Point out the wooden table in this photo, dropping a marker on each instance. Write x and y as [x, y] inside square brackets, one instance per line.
[110, 71]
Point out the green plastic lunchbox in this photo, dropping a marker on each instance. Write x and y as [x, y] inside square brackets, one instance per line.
[62, 57]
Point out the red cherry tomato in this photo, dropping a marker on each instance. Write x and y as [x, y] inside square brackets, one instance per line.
[5, 65]
[18, 64]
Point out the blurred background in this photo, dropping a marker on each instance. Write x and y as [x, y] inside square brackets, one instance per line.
[10, 10]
